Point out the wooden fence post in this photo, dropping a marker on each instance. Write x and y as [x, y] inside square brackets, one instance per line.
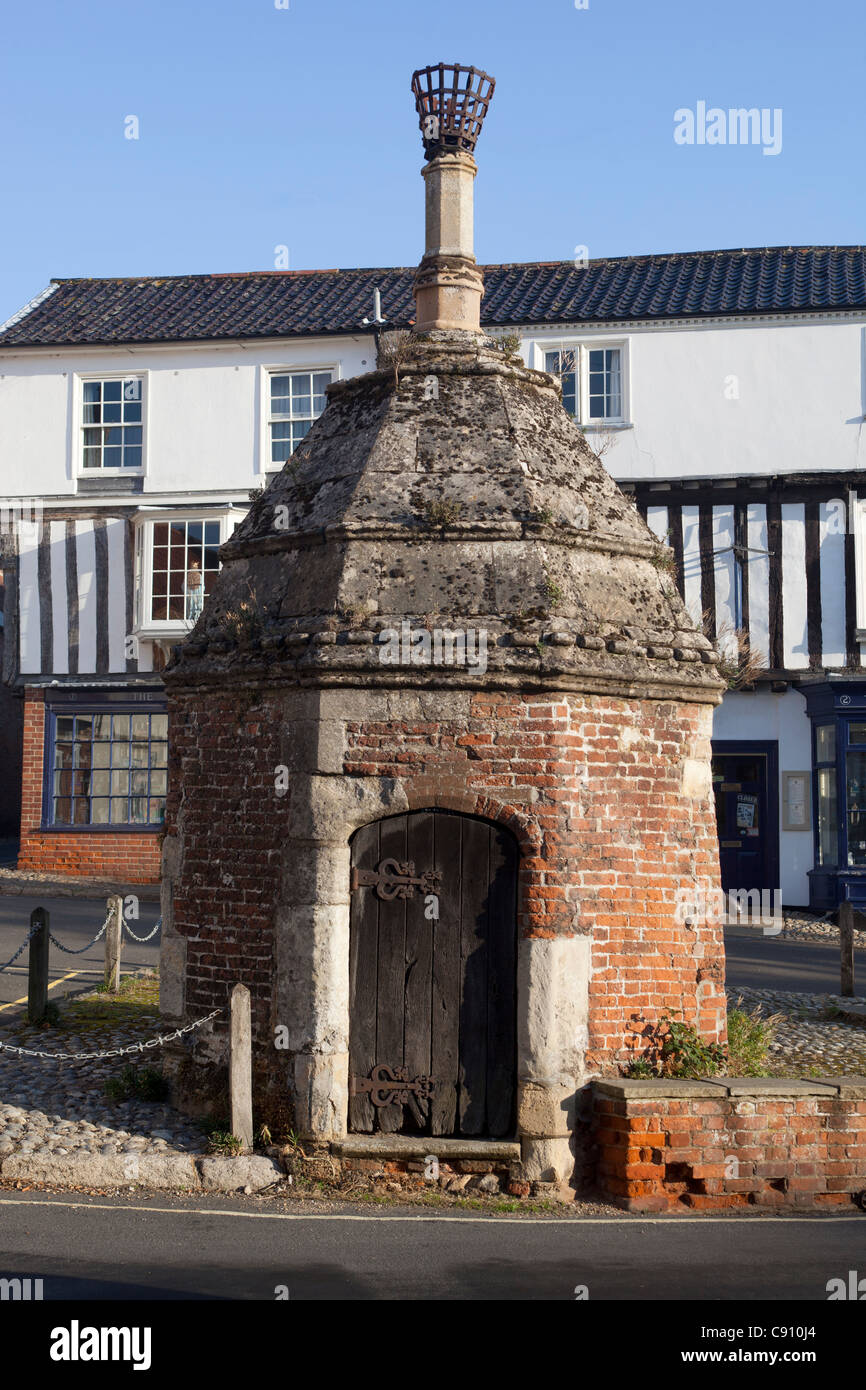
[241, 1067]
[113, 943]
[846, 946]
[37, 974]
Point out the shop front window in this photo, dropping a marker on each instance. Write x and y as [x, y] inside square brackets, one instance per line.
[856, 806]
[837, 710]
[107, 767]
[825, 743]
[828, 823]
[827, 848]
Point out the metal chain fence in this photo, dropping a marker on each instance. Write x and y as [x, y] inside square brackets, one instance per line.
[159, 1041]
[140, 939]
[24, 944]
[79, 951]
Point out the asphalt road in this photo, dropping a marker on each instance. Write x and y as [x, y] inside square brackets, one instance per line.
[213, 1248]
[766, 962]
[73, 921]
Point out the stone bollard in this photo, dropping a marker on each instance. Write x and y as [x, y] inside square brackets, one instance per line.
[240, 1067]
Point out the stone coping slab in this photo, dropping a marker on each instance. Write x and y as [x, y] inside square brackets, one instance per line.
[406, 1146]
[779, 1086]
[166, 1172]
[848, 1087]
[660, 1088]
[627, 1088]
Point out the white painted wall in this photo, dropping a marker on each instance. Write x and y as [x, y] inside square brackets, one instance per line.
[205, 410]
[721, 399]
[782, 717]
[737, 397]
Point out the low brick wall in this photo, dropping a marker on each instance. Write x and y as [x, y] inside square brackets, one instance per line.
[132, 858]
[727, 1142]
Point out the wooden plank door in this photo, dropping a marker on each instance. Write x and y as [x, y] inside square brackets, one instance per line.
[432, 998]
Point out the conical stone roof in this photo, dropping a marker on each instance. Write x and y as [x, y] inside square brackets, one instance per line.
[449, 491]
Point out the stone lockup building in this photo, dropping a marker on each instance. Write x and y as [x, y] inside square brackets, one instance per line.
[439, 768]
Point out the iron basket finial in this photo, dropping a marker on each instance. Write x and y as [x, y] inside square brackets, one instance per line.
[451, 102]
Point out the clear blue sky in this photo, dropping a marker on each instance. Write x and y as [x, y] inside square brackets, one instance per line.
[262, 126]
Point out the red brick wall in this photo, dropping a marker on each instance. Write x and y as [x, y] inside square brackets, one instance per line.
[657, 1151]
[130, 858]
[221, 769]
[591, 786]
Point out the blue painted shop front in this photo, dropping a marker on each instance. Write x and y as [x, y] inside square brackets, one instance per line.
[837, 710]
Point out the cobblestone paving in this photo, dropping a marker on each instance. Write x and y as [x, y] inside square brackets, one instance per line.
[808, 1041]
[806, 926]
[61, 1108]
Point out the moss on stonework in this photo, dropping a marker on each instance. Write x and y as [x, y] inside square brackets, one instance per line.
[421, 497]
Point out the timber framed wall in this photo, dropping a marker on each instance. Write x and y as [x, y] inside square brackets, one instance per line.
[795, 540]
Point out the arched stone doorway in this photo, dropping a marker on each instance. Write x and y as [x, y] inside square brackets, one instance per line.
[433, 976]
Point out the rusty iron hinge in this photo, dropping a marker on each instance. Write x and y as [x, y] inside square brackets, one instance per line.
[391, 1085]
[391, 879]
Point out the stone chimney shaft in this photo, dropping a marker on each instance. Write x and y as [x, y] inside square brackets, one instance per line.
[451, 102]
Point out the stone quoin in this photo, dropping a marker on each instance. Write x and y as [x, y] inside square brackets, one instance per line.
[453, 890]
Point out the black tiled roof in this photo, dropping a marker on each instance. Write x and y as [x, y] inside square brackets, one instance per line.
[286, 304]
